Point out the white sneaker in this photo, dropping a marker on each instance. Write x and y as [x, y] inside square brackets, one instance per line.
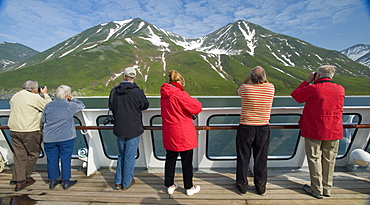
[193, 190]
[172, 188]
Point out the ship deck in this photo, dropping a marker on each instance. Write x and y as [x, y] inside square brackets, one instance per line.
[217, 187]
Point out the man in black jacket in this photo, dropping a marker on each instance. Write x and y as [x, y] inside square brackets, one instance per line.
[126, 101]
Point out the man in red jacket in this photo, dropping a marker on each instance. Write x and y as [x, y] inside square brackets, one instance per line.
[321, 126]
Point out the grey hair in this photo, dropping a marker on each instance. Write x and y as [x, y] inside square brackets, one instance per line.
[63, 91]
[29, 85]
[326, 71]
[258, 75]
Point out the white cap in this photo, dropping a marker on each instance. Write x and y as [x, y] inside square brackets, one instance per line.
[130, 72]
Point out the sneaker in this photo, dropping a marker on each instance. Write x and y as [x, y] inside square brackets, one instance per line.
[193, 190]
[118, 186]
[172, 188]
[307, 189]
[262, 193]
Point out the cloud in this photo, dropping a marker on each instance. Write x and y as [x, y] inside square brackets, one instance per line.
[44, 23]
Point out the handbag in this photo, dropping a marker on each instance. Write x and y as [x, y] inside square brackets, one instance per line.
[109, 119]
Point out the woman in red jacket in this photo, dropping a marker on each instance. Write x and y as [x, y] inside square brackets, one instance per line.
[178, 131]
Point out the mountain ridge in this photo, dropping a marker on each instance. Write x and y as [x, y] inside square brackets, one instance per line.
[12, 53]
[215, 64]
[359, 53]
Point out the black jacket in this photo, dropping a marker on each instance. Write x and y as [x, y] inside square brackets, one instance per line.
[126, 101]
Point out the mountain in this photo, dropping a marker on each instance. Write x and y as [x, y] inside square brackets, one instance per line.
[93, 61]
[12, 53]
[359, 53]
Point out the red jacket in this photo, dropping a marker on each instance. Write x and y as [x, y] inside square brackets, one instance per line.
[322, 115]
[178, 129]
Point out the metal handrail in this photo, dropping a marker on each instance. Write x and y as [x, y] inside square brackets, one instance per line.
[231, 127]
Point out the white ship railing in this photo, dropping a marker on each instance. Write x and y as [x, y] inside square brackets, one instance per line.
[147, 158]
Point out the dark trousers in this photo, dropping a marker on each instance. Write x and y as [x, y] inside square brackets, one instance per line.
[59, 151]
[254, 139]
[26, 147]
[186, 164]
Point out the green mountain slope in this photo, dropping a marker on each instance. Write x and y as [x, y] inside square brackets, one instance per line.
[12, 53]
[92, 61]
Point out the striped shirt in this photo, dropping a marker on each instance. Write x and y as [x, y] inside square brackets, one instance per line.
[256, 100]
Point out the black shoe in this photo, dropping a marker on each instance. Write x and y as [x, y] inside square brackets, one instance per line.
[12, 182]
[240, 190]
[67, 184]
[54, 183]
[23, 184]
[261, 191]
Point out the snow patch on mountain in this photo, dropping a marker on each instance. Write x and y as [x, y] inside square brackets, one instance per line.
[318, 57]
[141, 25]
[189, 45]
[66, 53]
[286, 58]
[119, 25]
[288, 74]
[213, 67]
[359, 53]
[6, 62]
[249, 36]
[164, 62]
[89, 47]
[156, 40]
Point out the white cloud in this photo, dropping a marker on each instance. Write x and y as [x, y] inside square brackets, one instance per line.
[41, 24]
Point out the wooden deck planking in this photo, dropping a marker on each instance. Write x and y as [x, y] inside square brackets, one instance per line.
[284, 187]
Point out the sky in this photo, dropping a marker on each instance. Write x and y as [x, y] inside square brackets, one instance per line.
[329, 24]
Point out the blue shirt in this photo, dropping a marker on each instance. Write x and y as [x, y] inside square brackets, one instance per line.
[58, 119]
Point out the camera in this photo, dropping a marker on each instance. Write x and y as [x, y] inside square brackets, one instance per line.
[40, 88]
[314, 76]
[108, 120]
[194, 116]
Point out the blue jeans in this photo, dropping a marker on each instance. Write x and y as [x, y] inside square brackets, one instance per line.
[127, 148]
[55, 151]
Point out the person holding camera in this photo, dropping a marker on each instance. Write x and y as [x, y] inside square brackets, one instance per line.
[253, 133]
[26, 108]
[127, 101]
[321, 126]
[178, 110]
[59, 133]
